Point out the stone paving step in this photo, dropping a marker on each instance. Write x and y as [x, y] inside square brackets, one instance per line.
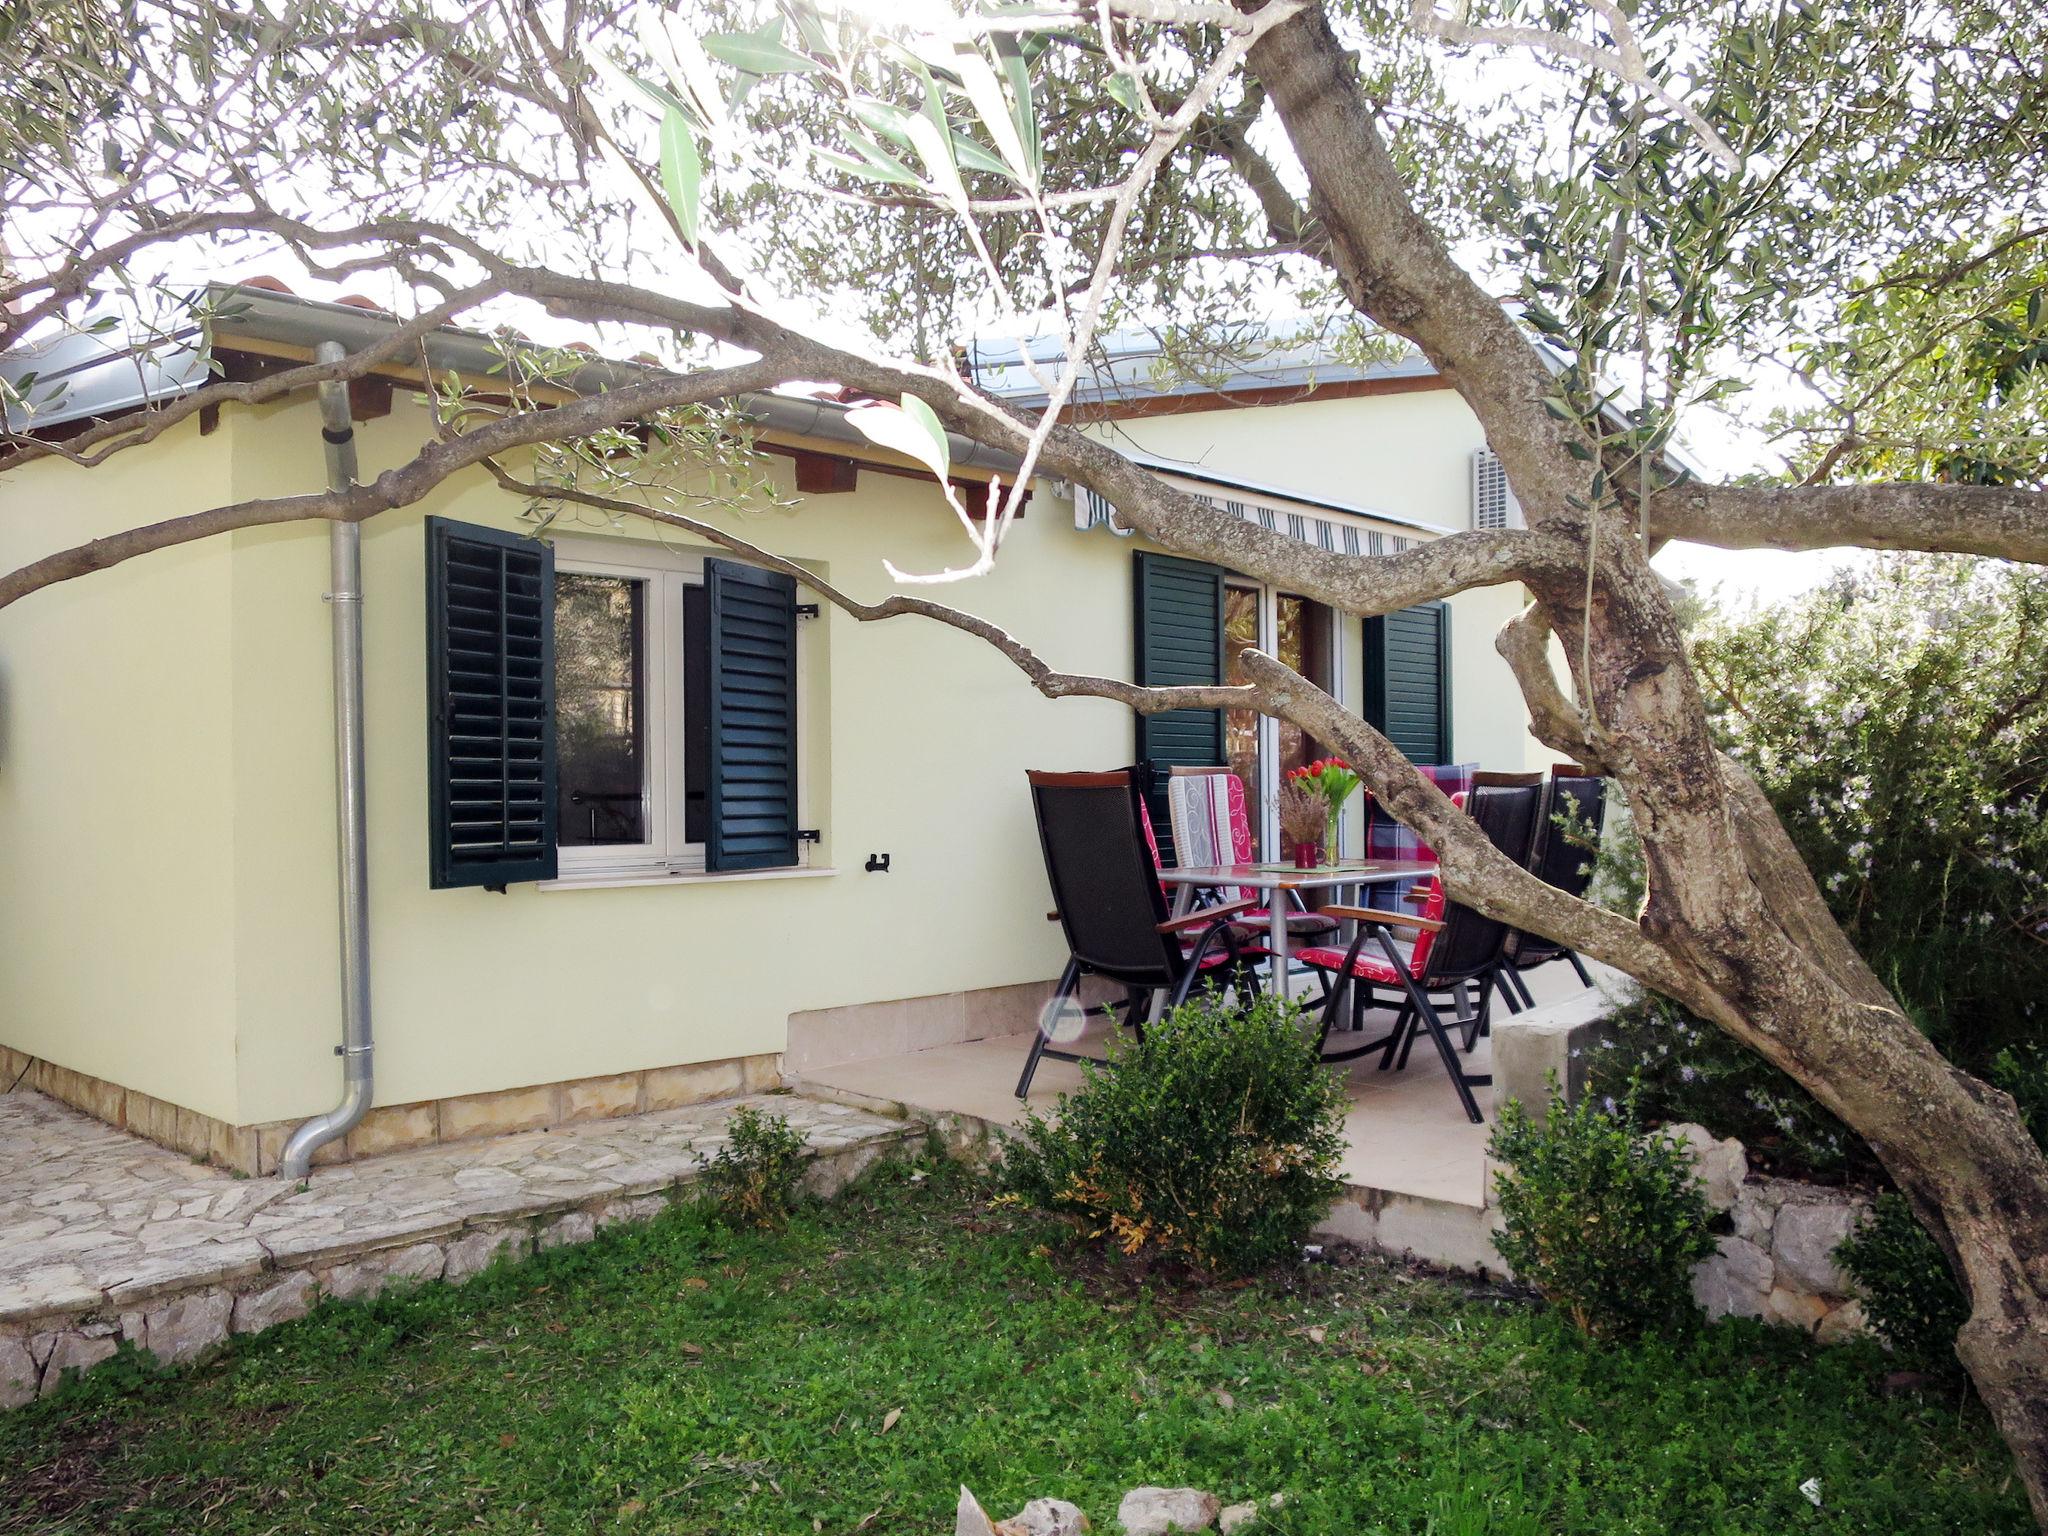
[104, 1236]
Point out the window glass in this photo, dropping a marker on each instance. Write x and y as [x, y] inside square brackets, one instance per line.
[1305, 645]
[696, 713]
[601, 709]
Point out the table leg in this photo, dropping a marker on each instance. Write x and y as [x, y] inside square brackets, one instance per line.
[1276, 930]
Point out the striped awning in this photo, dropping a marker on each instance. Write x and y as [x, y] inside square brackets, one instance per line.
[1341, 532]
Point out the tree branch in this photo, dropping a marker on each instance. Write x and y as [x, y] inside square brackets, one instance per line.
[1053, 684]
[2009, 522]
[401, 486]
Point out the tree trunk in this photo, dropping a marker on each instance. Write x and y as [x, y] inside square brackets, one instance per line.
[1739, 931]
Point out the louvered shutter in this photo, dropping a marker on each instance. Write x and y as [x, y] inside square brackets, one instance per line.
[1408, 680]
[1179, 633]
[752, 803]
[490, 706]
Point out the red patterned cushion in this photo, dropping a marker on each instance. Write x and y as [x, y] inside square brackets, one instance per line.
[1371, 964]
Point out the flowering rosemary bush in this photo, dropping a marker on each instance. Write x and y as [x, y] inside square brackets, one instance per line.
[1213, 1141]
[1898, 719]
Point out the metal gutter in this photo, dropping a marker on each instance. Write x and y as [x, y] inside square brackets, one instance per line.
[345, 600]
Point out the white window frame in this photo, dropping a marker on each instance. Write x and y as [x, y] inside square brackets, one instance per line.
[666, 573]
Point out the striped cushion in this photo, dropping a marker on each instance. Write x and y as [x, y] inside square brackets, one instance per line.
[1210, 823]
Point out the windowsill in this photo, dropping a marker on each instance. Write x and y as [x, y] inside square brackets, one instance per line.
[595, 881]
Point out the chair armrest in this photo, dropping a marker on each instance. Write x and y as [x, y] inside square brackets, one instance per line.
[1207, 915]
[1374, 915]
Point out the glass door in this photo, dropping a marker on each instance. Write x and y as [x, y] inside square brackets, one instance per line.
[1302, 633]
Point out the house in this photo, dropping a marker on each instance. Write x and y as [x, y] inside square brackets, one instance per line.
[776, 834]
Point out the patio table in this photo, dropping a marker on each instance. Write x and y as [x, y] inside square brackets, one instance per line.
[1276, 881]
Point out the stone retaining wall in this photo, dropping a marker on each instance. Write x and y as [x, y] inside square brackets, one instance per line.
[184, 1313]
[1778, 1262]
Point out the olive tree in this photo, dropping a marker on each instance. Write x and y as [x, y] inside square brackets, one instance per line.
[1592, 217]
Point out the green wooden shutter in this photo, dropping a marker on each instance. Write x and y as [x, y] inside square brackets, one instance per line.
[752, 811]
[490, 706]
[1408, 680]
[1179, 634]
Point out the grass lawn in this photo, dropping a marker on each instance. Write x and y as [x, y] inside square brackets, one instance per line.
[848, 1374]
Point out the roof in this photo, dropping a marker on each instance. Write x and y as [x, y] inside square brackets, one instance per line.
[121, 370]
[1136, 365]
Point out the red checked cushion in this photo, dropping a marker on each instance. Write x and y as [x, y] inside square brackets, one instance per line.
[1371, 964]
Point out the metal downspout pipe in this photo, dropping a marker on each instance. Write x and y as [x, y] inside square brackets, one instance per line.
[345, 599]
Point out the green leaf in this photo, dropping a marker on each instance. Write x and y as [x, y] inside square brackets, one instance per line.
[760, 52]
[911, 429]
[1123, 90]
[932, 137]
[1017, 70]
[972, 156]
[682, 170]
[880, 117]
[993, 107]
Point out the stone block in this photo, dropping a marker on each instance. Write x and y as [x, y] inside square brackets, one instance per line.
[601, 1098]
[1803, 1242]
[636, 1208]
[1795, 1309]
[496, 1114]
[1754, 1212]
[1721, 1164]
[1159, 1511]
[564, 1231]
[761, 1074]
[292, 1295]
[234, 1146]
[695, 1083]
[1734, 1280]
[19, 1375]
[1842, 1324]
[366, 1277]
[77, 1353]
[1553, 1038]
[186, 1327]
[1045, 1517]
[474, 1252]
[395, 1128]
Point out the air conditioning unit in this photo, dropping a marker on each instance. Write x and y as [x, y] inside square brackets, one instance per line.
[1493, 503]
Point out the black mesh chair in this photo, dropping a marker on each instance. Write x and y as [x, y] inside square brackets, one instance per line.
[1113, 911]
[1560, 860]
[1450, 948]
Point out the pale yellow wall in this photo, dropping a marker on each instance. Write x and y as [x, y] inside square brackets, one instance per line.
[916, 743]
[166, 791]
[116, 782]
[1406, 454]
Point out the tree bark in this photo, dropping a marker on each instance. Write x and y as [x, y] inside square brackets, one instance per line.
[1742, 934]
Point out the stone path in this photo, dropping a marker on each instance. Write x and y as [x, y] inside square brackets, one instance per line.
[104, 1236]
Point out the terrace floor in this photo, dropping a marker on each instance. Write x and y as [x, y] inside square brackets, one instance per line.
[1405, 1132]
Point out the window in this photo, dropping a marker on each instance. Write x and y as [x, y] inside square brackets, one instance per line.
[632, 708]
[603, 709]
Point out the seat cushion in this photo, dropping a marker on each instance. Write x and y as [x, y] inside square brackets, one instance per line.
[1302, 925]
[1371, 964]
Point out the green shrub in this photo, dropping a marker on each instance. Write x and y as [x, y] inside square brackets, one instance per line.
[1213, 1141]
[756, 1179]
[1605, 1222]
[1909, 1293]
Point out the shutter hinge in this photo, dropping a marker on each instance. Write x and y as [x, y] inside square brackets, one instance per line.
[809, 835]
[807, 610]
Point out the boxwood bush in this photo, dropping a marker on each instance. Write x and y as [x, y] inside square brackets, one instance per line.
[1605, 1221]
[1213, 1141]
